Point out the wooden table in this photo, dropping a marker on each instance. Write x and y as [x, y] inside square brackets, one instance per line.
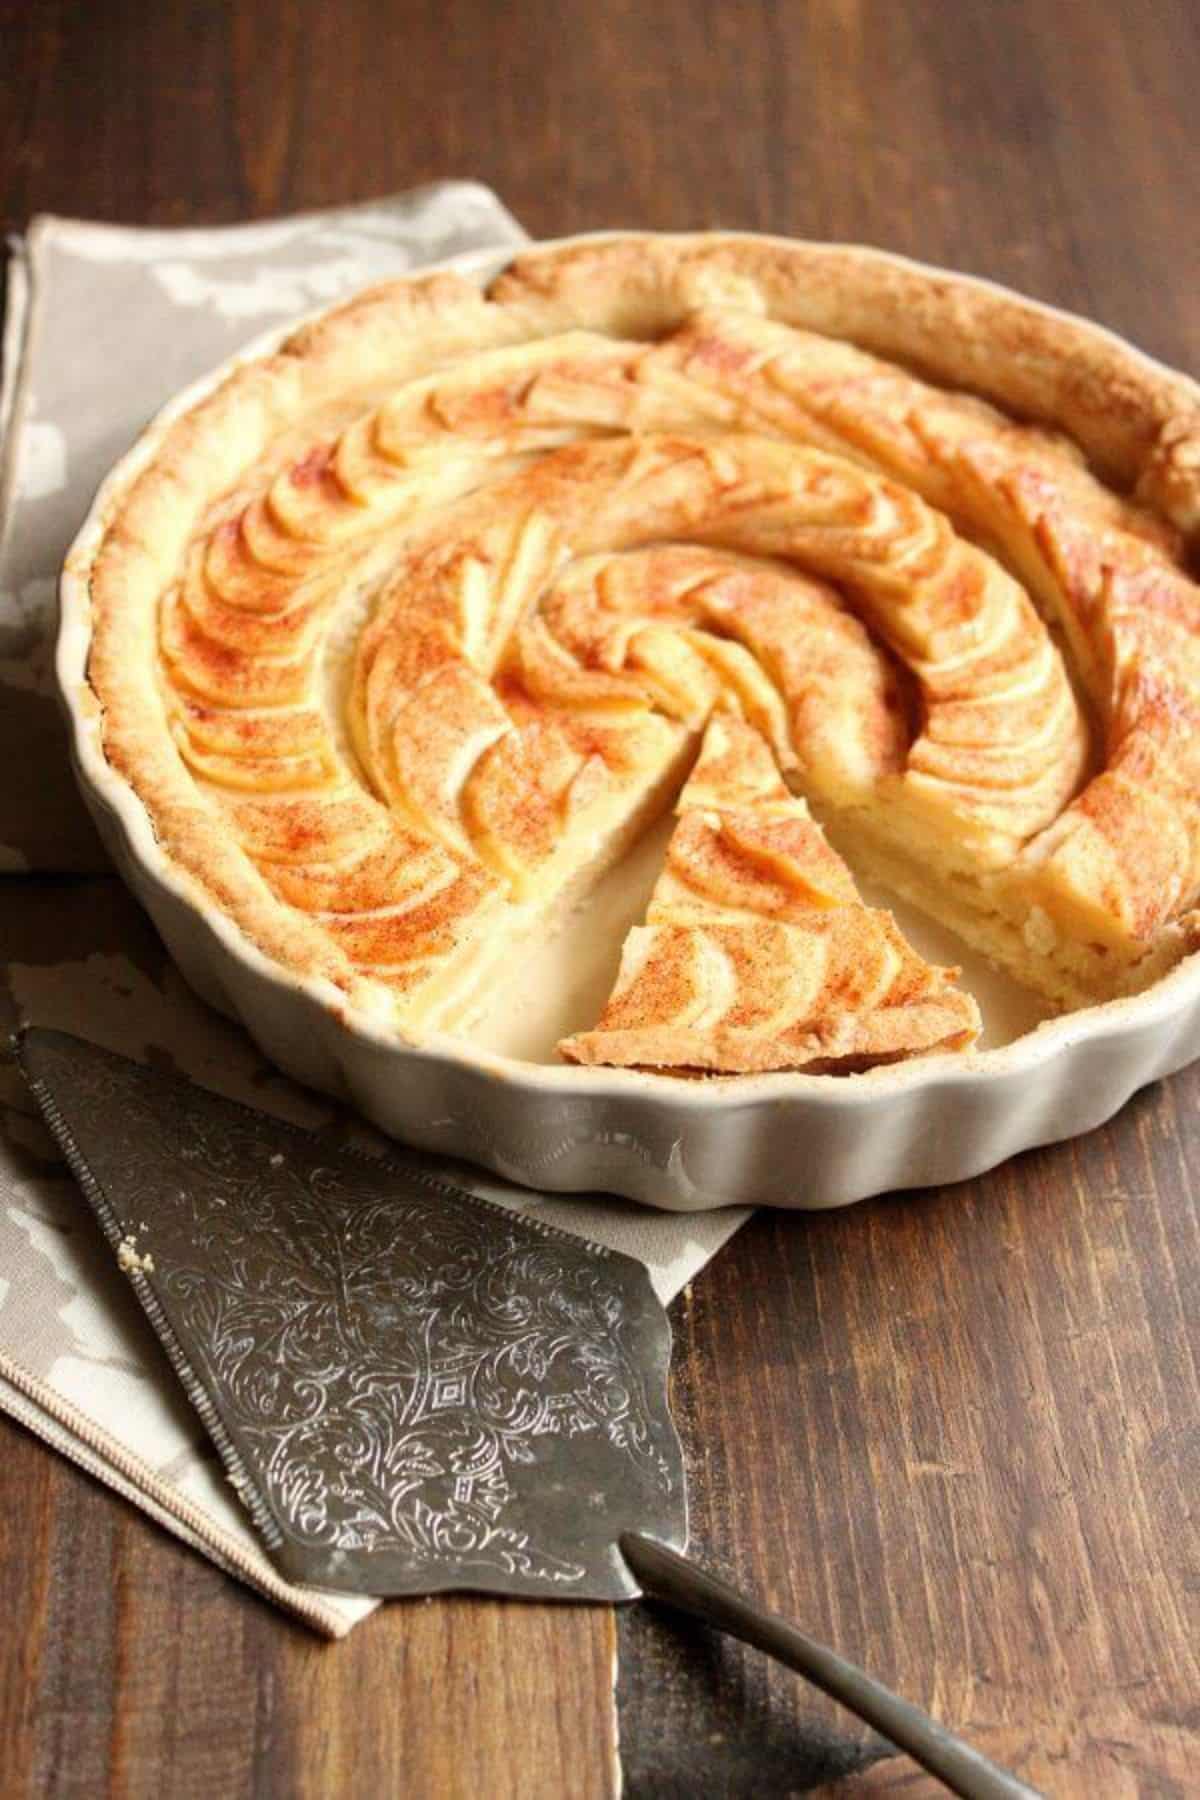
[955, 1433]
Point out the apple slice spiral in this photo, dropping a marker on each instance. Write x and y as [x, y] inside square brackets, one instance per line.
[408, 631]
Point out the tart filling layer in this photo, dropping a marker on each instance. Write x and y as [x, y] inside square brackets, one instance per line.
[757, 952]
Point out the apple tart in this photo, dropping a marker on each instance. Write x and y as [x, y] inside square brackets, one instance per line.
[408, 630]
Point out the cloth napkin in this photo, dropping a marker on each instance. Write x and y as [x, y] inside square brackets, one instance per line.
[103, 323]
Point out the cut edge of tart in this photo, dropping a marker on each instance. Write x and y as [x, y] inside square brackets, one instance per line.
[757, 952]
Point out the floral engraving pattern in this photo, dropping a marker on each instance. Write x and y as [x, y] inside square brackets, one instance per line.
[412, 1388]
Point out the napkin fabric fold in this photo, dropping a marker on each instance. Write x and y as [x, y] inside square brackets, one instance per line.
[103, 324]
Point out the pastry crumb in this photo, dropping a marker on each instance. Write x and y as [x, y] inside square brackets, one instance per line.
[132, 1261]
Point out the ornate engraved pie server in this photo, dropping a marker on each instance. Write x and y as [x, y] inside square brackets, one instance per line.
[412, 1389]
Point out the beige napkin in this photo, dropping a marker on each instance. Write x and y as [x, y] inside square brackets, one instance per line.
[103, 324]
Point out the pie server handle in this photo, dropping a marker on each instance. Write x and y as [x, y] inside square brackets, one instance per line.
[665, 1575]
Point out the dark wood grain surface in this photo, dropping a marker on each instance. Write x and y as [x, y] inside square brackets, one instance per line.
[958, 1432]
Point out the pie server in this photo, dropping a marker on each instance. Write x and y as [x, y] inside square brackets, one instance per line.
[412, 1389]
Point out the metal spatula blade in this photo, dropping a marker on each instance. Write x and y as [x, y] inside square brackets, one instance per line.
[412, 1389]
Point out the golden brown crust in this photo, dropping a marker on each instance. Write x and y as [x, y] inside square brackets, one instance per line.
[538, 658]
[1136, 421]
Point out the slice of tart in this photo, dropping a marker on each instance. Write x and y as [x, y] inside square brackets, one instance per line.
[757, 952]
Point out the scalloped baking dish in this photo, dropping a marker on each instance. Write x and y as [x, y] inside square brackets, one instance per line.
[786, 1140]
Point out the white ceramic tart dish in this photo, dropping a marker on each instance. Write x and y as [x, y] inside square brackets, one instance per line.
[390, 648]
